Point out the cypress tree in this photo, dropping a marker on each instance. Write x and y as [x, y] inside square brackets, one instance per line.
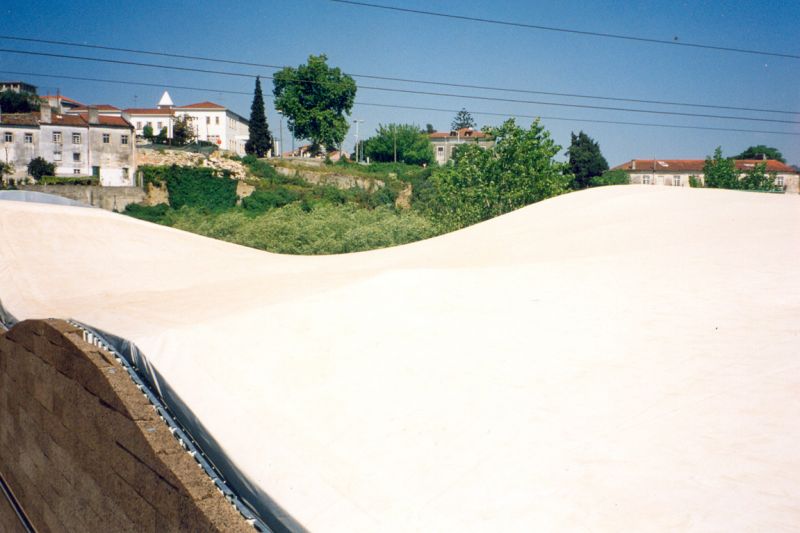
[260, 140]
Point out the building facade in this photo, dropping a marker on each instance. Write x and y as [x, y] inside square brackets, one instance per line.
[87, 144]
[17, 87]
[445, 143]
[677, 172]
[210, 122]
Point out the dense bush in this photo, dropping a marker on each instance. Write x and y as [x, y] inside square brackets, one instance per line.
[69, 180]
[610, 177]
[326, 229]
[262, 200]
[695, 182]
[193, 186]
[39, 167]
[156, 213]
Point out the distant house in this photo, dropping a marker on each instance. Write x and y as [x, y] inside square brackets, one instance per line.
[84, 144]
[211, 122]
[676, 172]
[17, 87]
[444, 143]
[61, 104]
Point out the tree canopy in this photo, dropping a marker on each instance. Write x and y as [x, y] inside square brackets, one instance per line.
[756, 152]
[182, 132]
[40, 167]
[486, 182]
[585, 160]
[463, 120]
[19, 102]
[405, 140]
[315, 98]
[260, 139]
[720, 172]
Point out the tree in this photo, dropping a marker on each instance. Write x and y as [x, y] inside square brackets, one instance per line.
[5, 168]
[147, 132]
[314, 98]
[486, 182]
[429, 129]
[720, 173]
[757, 179]
[757, 152]
[19, 102]
[610, 177]
[39, 167]
[400, 142]
[260, 139]
[463, 120]
[161, 138]
[585, 160]
[182, 131]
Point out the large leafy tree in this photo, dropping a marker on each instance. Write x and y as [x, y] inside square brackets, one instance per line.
[40, 167]
[483, 183]
[585, 160]
[182, 131]
[315, 98]
[260, 139]
[757, 152]
[757, 179]
[19, 102]
[720, 172]
[400, 142]
[463, 120]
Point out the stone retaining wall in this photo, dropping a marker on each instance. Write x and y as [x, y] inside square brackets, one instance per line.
[110, 198]
[83, 450]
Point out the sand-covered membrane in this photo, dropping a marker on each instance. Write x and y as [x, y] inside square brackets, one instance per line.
[619, 359]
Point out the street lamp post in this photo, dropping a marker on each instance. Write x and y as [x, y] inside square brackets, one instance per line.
[280, 148]
[358, 153]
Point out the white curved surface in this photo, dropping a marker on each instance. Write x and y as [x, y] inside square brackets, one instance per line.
[624, 358]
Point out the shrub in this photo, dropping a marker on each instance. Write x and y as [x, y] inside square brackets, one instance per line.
[69, 180]
[610, 177]
[155, 213]
[193, 186]
[695, 182]
[39, 167]
[263, 200]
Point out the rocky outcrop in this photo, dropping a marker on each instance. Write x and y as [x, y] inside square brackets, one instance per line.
[341, 181]
[164, 157]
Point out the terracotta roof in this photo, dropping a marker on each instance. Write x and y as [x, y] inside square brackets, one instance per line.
[100, 107]
[148, 111]
[696, 165]
[19, 119]
[66, 120]
[463, 133]
[201, 105]
[106, 120]
[63, 98]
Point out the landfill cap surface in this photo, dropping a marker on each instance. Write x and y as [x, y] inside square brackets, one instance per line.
[624, 358]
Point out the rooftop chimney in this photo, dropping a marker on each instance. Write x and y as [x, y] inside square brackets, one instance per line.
[45, 113]
[94, 118]
[633, 164]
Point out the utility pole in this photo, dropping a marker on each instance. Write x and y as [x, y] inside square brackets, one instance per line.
[358, 155]
[280, 148]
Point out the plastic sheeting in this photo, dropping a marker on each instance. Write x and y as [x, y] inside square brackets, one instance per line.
[616, 359]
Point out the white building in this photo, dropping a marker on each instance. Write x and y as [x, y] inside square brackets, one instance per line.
[211, 122]
[676, 172]
[86, 144]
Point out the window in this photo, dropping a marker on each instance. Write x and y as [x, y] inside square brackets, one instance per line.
[57, 154]
[106, 138]
[125, 173]
[216, 121]
[76, 138]
[159, 126]
[124, 139]
[9, 137]
[208, 120]
[29, 138]
[779, 181]
[57, 137]
[76, 171]
[440, 149]
[138, 124]
[149, 123]
[676, 181]
[76, 156]
[646, 180]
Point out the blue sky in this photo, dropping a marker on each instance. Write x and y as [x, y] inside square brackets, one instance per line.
[369, 41]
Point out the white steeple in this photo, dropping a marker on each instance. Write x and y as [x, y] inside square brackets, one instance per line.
[165, 101]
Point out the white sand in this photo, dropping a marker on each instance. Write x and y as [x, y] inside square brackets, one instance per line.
[620, 359]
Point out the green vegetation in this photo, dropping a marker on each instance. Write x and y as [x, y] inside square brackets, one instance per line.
[182, 132]
[484, 183]
[259, 141]
[314, 98]
[193, 186]
[721, 173]
[756, 152]
[39, 167]
[19, 102]
[585, 161]
[69, 180]
[399, 142]
[695, 182]
[462, 120]
[610, 177]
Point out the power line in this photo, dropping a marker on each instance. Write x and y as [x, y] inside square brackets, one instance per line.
[569, 30]
[599, 121]
[410, 91]
[402, 80]
[394, 106]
